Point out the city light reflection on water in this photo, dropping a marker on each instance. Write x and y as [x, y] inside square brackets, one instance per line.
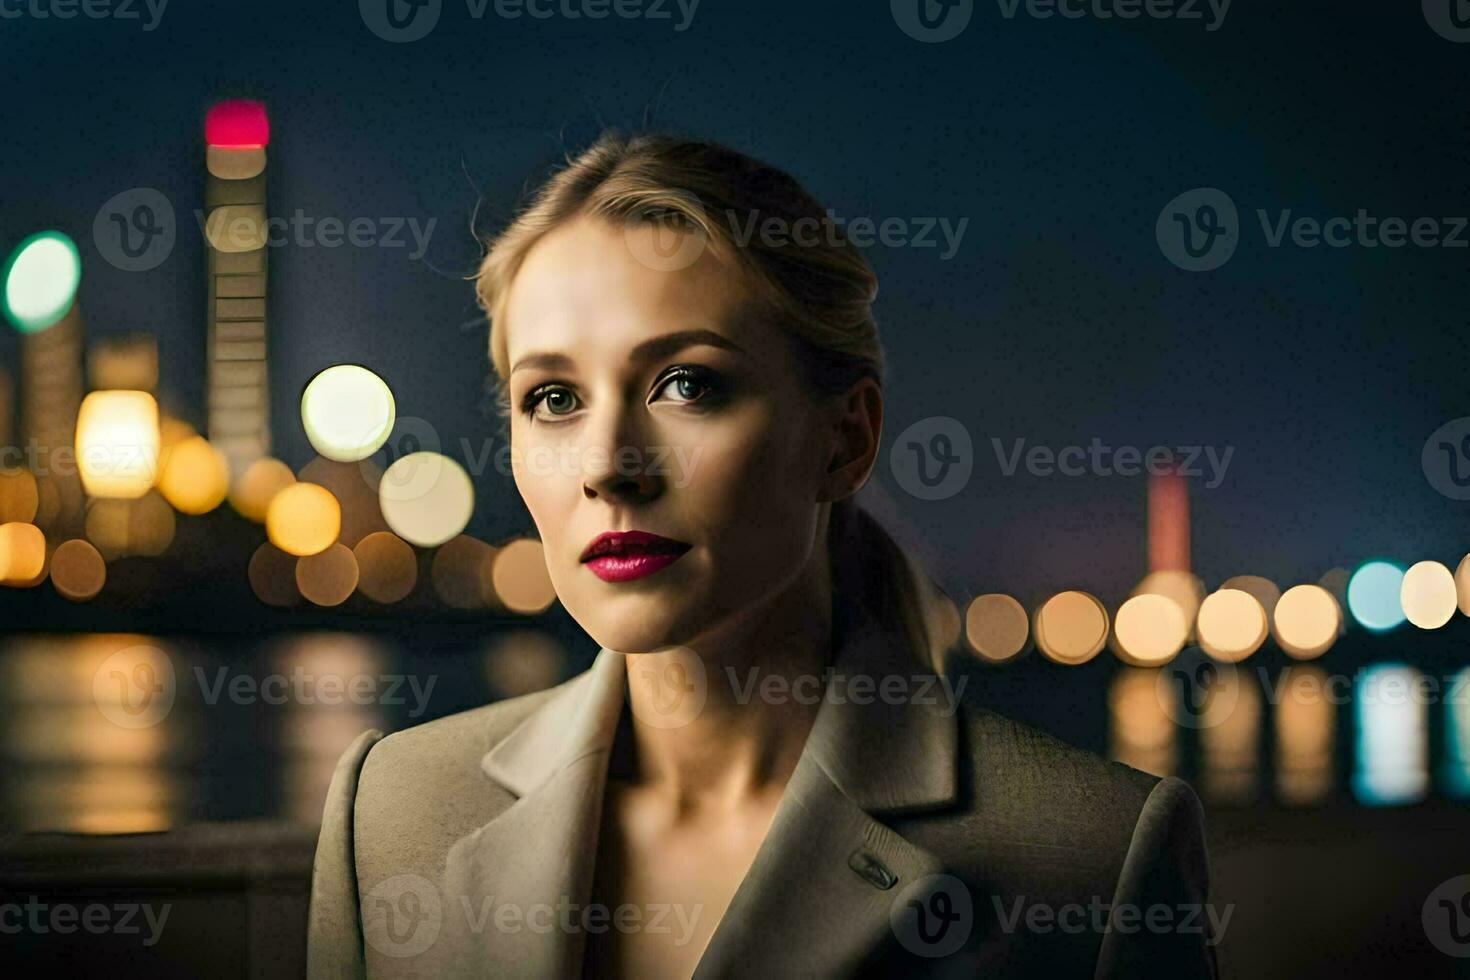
[127, 733]
[123, 732]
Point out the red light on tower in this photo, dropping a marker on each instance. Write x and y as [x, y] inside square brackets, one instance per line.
[237, 123]
[1168, 523]
[236, 133]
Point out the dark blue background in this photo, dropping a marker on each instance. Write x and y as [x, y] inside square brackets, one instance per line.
[1058, 321]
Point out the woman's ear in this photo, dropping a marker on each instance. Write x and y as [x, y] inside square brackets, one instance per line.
[856, 430]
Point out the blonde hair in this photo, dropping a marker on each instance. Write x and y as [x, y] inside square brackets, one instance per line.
[821, 292]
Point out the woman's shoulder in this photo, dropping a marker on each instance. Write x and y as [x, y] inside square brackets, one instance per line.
[1031, 802]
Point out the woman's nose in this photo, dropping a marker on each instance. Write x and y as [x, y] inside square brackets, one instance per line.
[621, 465]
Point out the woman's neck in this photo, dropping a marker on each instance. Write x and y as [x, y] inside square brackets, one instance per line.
[763, 682]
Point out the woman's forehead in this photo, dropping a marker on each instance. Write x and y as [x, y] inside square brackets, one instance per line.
[581, 287]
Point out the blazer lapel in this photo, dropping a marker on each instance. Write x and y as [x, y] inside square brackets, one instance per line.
[818, 896]
[817, 899]
[535, 859]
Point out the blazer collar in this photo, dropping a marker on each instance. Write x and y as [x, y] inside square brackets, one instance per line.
[886, 755]
[819, 894]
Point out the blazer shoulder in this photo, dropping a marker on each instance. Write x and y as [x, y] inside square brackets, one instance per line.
[422, 788]
[1035, 789]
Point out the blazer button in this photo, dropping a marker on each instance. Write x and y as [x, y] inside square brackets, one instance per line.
[872, 870]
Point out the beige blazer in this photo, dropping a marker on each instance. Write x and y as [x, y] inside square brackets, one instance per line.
[465, 847]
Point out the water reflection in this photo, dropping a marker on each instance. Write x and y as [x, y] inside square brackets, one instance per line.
[1391, 762]
[123, 733]
[84, 749]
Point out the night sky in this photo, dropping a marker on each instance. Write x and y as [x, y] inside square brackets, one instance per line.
[1058, 320]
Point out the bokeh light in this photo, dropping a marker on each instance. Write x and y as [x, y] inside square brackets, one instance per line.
[19, 496]
[1427, 595]
[1259, 588]
[1070, 627]
[41, 279]
[1307, 621]
[77, 570]
[195, 476]
[22, 553]
[1149, 629]
[303, 519]
[272, 575]
[519, 577]
[117, 443]
[1374, 595]
[1232, 625]
[387, 567]
[457, 572]
[996, 627]
[426, 498]
[328, 577]
[262, 480]
[347, 412]
[1462, 585]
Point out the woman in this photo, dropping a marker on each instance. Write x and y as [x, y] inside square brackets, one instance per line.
[756, 775]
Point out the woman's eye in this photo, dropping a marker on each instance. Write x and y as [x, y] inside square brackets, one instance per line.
[688, 385]
[558, 400]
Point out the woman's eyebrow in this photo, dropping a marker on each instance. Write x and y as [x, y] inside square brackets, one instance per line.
[649, 350]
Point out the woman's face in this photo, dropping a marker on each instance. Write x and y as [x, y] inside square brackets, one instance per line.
[652, 400]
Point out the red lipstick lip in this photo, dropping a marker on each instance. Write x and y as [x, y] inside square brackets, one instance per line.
[626, 545]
